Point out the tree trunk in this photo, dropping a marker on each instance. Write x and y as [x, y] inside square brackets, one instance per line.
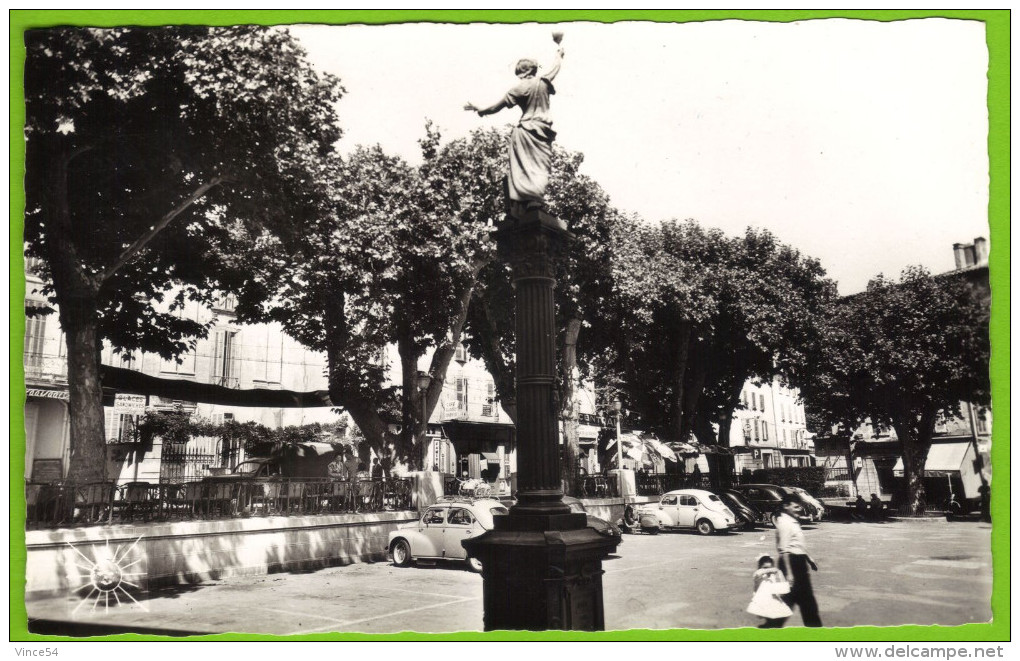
[915, 435]
[414, 419]
[80, 324]
[568, 408]
[676, 425]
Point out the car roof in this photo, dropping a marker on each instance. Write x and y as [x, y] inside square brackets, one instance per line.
[689, 492]
[756, 486]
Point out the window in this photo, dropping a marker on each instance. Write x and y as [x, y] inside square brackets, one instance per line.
[688, 501]
[784, 437]
[225, 368]
[669, 500]
[490, 397]
[120, 427]
[460, 353]
[433, 516]
[761, 400]
[35, 341]
[269, 361]
[754, 400]
[982, 421]
[764, 432]
[186, 366]
[747, 430]
[462, 394]
[225, 303]
[460, 517]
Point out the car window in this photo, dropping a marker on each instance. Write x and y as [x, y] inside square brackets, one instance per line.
[460, 517]
[713, 497]
[498, 510]
[688, 501]
[669, 500]
[752, 493]
[433, 516]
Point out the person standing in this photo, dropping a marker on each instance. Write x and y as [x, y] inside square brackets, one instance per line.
[794, 561]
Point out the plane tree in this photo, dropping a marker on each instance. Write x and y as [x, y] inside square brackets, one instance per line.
[149, 152]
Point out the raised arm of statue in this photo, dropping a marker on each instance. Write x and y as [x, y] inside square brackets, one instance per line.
[554, 68]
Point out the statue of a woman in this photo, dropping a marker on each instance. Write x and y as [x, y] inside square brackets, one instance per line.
[532, 138]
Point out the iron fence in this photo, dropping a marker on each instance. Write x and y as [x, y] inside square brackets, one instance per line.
[67, 504]
[596, 486]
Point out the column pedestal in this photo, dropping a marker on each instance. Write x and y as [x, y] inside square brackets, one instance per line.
[541, 564]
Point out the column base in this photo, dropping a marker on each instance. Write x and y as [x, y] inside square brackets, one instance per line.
[542, 572]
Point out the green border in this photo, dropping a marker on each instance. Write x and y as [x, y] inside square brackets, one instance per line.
[998, 36]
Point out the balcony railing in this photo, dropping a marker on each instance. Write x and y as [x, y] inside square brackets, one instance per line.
[102, 503]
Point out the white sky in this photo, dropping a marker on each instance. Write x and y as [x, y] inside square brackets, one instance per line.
[863, 144]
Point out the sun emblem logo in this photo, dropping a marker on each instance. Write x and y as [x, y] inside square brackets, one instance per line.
[109, 576]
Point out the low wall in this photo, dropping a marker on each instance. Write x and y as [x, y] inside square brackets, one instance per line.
[189, 552]
[612, 509]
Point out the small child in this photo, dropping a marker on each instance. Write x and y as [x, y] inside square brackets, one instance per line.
[766, 603]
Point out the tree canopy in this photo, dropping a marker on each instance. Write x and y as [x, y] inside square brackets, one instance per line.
[150, 152]
[902, 354]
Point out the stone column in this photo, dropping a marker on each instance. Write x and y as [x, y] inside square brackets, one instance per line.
[542, 564]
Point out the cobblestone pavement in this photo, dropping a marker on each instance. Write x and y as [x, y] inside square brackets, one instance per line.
[908, 572]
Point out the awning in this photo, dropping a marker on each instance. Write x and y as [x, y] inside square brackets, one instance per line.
[659, 447]
[943, 458]
[491, 457]
[119, 379]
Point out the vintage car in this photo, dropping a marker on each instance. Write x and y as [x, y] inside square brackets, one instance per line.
[687, 509]
[819, 506]
[768, 498]
[438, 534]
[748, 516]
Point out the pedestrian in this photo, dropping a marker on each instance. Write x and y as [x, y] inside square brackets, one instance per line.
[767, 601]
[377, 471]
[986, 503]
[861, 506]
[876, 508]
[794, 561]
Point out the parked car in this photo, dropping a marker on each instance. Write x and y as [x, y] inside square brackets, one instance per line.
[767, 498]
[819, 506]
[601, 526]
[685, 509]
[747, 514]
[438, 534]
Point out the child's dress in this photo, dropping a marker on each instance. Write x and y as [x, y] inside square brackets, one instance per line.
[769, 584]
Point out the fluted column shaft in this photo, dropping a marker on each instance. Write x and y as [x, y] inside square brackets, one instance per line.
[530, 248]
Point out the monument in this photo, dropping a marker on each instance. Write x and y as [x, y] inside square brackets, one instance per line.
[541, 564]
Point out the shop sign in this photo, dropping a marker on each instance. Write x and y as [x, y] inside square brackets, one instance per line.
[124, 404]
[49, 394]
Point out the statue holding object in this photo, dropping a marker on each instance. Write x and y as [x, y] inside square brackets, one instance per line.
[531, 140]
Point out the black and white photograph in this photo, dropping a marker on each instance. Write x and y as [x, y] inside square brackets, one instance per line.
[474, 327]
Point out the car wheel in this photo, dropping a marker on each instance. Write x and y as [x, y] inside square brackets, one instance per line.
[475, 565]
[705, 527]
[650, 531]
[401, 553]
[749, 525]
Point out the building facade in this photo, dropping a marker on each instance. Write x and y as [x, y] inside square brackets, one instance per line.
[769, 430]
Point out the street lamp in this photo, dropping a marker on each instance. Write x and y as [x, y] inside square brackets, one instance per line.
[618, 408]
[424, 379]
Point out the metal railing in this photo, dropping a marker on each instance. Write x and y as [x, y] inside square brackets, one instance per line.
[101, 503]
[655, 484]
[597, 486]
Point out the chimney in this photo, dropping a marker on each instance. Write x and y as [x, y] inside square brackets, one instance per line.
[958, 255]
[980, 250]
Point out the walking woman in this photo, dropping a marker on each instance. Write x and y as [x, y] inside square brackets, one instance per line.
[794, 561]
